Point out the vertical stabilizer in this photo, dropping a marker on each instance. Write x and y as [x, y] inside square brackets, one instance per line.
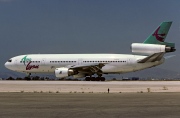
[159, 35]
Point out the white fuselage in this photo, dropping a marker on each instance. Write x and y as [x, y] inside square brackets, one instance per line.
[47, 63]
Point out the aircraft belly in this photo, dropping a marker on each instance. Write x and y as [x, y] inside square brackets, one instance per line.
[116, 69]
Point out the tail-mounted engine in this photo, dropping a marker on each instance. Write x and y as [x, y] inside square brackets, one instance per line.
[149, 49]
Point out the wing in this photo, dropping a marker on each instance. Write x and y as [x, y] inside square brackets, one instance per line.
[88, 68]
[152, 58]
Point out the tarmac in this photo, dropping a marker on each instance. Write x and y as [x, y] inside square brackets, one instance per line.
[62, 99]
[89, 105]
[90, 86]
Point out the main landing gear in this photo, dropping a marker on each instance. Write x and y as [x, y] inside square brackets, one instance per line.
[94, 79]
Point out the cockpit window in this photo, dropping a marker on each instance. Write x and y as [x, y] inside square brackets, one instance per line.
[10, 60]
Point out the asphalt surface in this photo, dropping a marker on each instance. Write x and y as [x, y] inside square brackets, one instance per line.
[89, 105]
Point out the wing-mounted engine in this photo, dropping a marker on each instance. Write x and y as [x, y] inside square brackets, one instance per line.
[64, 72]
[149, 49]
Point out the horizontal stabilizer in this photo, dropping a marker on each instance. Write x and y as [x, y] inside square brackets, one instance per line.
[152, 58]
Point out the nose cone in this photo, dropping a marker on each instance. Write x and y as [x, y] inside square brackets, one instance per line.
[5, 64]
[8, 65]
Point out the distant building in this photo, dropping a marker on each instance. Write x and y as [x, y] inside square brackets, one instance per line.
[130, 78]
[135, 78]
[126, 79]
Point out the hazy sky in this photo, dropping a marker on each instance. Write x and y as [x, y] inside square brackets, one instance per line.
[84, 26]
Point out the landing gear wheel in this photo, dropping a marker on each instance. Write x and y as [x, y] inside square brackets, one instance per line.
[98, 78]
[102, 79]
[93, 79]
[87, 79]
[28, 78]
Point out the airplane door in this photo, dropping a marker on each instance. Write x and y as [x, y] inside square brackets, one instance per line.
[128, 61]
[79, 61]
[131, 64]
[16, 63]
[43, 62]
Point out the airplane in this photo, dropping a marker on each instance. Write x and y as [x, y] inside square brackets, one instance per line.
[144, 55]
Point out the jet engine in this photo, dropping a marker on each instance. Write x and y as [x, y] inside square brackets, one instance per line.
[149, 49]
[64, 72]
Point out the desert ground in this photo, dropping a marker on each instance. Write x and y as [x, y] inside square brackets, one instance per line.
[89, 105]
[81, 99]
[89, 86]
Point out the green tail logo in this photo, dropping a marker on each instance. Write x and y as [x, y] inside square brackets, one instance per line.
[159, 35]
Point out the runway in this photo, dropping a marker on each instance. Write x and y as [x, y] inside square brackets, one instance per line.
[89, 86]
[89, 105]
[67, 99]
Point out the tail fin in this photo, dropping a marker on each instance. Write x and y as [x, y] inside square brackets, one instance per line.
[159, 35]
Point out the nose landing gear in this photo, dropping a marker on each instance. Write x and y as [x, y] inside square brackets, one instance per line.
[28, 77]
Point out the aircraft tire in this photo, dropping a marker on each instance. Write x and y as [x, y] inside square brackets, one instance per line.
[98, 78]
[87, 78]
[93, 79]
[103, 79]
[28, 78]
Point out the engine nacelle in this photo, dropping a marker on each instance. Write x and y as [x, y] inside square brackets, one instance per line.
[64, 72]
[149, 49]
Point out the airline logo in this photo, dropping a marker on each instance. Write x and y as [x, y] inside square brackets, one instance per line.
[25, 59]
[159, 37]
[29, 66]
